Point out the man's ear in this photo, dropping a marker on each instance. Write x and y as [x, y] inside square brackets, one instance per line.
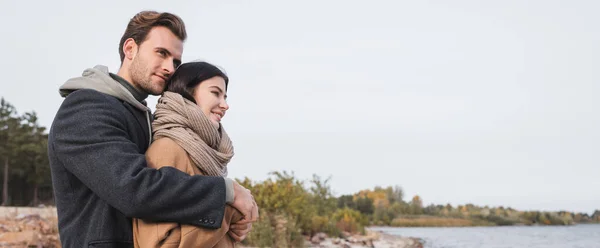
[130, 48]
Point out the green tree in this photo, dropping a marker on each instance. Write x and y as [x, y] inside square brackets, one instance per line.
[33, 155]
[346, 201]
[9, 137]
[395, 194]
[364, 205]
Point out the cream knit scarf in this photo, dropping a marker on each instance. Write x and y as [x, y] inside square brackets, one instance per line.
[183, 121]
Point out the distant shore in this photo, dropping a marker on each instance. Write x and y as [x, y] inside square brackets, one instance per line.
[482, 221]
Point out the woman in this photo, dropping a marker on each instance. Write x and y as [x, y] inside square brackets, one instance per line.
[188, 135]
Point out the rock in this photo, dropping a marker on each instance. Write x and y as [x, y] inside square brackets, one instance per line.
[315, 240]
[29, 230]
[26, 239]
[370, 239]
[352, 240]
[321, 235]
[336, 241]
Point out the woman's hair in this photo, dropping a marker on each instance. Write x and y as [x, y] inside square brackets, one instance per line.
[191, 74]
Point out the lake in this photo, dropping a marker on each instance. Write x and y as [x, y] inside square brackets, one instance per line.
[577, 236]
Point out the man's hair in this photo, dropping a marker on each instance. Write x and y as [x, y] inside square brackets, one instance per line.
[140, 25]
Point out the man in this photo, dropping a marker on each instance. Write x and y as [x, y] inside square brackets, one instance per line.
[97, 142]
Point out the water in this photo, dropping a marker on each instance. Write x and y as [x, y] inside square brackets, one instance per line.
[578, 236]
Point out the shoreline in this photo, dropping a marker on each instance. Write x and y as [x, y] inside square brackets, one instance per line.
[372, 238]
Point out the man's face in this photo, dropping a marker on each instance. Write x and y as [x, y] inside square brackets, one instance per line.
[155, 61]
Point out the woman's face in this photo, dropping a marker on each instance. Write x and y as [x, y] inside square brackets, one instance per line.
[211, 96]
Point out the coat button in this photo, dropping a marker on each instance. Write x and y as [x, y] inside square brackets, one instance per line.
[205, 220]
[212, 222]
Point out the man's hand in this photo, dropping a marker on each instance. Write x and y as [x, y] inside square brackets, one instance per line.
[239, 232]
[244, 202]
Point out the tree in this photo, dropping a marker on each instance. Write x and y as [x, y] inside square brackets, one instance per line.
[416, 205]
[24, 156]
[9, 128]
[364, 205]
[346, 201]
[34, 154]
[395, 194]
[596, 216]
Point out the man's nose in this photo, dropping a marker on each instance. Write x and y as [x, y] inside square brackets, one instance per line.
[168, 67]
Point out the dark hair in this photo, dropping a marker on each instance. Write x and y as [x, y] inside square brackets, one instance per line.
[140, 25]
[191, 74]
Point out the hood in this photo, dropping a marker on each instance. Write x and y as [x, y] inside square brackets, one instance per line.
[98, 79]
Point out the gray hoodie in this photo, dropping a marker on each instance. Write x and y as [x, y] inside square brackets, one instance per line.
[98, 78]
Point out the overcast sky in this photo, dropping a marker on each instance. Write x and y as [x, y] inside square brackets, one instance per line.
[484, 102]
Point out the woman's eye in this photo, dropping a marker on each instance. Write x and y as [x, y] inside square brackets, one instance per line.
[215, 93]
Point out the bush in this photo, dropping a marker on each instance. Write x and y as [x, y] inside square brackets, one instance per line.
[275, 230]
[501, 221]
[262, 234]
[349, 220]
[324, 224]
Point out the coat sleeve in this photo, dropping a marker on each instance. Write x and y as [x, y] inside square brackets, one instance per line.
[90, 139]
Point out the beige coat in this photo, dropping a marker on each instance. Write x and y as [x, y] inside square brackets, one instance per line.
[165, 152]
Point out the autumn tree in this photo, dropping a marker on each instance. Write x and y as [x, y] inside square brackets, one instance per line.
[416, 205]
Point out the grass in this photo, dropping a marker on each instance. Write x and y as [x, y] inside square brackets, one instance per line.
[433, 221]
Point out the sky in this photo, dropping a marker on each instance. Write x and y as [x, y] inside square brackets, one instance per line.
[483, 102]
